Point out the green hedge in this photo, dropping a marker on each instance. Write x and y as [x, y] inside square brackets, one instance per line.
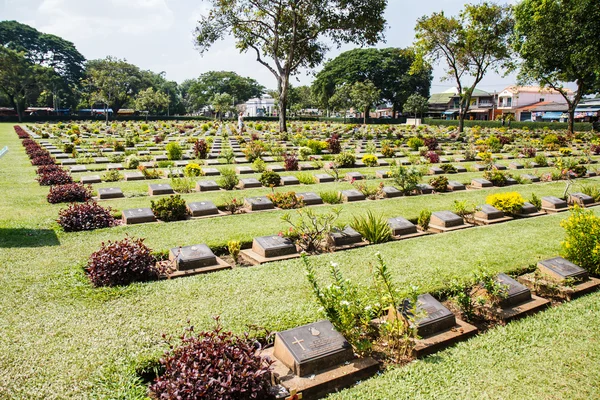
[372, 121]
[67, 118]
[579, 126]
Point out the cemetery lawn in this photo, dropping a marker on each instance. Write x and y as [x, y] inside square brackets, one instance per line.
[61, 338]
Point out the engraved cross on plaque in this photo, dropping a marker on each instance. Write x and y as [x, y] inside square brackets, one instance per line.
[299, 342]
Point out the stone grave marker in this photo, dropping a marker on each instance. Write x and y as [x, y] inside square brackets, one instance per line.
[138, 216]
[114, 167]
[531, 178]
[489, 213]
[306, 167]
[481, 183]
[210, 172]
[181, 163]
[289, 180]
[357, 176]
[390, 192]
[446, 219]
[425, 188]
[352, 195]
[243, 170]
[202, 208]
[454, 186]
[527, 209]
[345, 237]
[560, 270]
[87, 180]
[515, 165]
[383, 163]
[206, 186]
[259, 203]
[435, 171]
[479, 167]
[268, 159]
[312, 348]
[250, 183]
[382, 174]
[432, 316]
[192, 257]
[110, 193]
[324, 178]
[554, 204]
[500, 167]
[517, 293]
[276, 168]
[77, 168]
[401, 226]
[581, 199]
[134, 176]
[310, 198]
[240, 159]
[460, 169]
[156, 189]
[273, 246]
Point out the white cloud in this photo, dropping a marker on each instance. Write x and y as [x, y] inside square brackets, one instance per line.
[86, 19]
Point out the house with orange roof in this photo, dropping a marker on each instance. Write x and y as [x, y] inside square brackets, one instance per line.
[531, 103]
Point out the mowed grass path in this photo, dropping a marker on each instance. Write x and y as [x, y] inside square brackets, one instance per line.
[61, 338]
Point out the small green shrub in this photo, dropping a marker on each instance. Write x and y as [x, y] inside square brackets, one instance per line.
[406, 178]
[424, 218]
[259, 165]
[582, 241]
[415, 143]
[510, 203]
[370, 160]
[285, 200]
[112, 176]
[439, 183]
[306, 178]
[173, 151]
[270, 179]
[228, 179]
[345, 159]
[331, 197]
[170, 208]
[373, 228]
[192, 170]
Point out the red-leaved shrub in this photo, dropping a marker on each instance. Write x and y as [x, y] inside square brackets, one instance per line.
[69, 193]
[85, 217]
[333, 144]
[213, 365]
[21, 132]
[51, 177]
[290, 162]
[120, 263]
[433, 157]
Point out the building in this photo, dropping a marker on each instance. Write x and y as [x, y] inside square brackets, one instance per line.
[446, 105]
[588, 110]
[260, 107]
[525, 103]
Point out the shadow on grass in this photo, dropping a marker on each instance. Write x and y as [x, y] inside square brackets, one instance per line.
[24, 237]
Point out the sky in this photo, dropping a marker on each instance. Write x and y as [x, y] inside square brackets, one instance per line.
[157, 35]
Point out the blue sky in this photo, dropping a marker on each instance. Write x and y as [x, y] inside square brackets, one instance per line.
[158, 35]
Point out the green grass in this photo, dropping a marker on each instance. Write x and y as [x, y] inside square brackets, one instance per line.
[61, 338]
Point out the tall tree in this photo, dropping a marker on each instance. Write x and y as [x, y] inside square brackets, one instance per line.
[416, 104]
[341, 99]
[113, 82]
[151, 101]
[212, 83]
[221, 103]
[470, 45]
[20, 79]
[291, 33]
[559, 41]
[300, 98]
[49, 51]
[389, 70]
[363, 96]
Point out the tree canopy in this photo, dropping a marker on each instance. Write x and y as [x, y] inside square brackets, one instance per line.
[287, 35]
[558, 42]
[388, 69]
[416, 104]
[202, 90]
[470, 46]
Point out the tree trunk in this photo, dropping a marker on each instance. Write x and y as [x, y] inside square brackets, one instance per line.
[461, 123]
[19, 112]
[571, 129]
[282, 84]
[394, 110]
[366, 114]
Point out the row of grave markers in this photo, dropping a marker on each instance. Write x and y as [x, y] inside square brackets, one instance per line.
[314, 359]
